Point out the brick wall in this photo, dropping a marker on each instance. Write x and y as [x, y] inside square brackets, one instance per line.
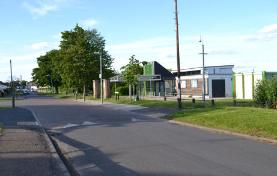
[189, 90]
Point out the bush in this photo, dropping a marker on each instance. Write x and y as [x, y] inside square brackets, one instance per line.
[122, 88]
[266, 93]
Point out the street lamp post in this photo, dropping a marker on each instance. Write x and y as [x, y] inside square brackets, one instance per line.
[203, 68]
[100, 76]
[12, 86]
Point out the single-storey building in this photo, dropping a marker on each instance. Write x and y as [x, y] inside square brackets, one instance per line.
[218, 80]
[156, 80]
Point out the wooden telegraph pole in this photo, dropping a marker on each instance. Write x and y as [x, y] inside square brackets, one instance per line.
[178, 57]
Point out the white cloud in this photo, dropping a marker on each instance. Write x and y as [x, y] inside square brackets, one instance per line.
[43, 7]
[88, 23]
[269, 29]
[39, 45]
[266, 33]
[22, 65]
[222, 52]
[42, 46]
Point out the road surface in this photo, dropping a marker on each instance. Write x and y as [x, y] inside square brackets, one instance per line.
[116, 140]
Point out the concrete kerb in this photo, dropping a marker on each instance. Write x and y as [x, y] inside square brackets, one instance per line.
[255, 138]
[52, 149]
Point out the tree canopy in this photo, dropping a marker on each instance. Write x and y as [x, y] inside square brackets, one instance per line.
[75, 64]
[132, 70]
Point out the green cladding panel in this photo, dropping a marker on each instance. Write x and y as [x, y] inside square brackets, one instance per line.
[148, 69]
[269, 75]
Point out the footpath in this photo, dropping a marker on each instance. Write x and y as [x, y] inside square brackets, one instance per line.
[25, 149]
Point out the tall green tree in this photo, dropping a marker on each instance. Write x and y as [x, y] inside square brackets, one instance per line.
[47, 73]
[131, 71]
[79, 65]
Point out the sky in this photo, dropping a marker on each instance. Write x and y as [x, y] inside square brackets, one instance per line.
[238, 32]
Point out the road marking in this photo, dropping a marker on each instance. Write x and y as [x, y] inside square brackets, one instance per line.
[87, 123]
[71, 125]
[28, 123]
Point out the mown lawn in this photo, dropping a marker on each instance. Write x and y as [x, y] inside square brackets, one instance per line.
[186, 104]
[244, 117]
[249, 120]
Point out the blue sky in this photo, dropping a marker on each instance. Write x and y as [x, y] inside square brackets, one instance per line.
[239, 32]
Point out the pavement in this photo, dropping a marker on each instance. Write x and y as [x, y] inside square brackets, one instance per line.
[25, 149]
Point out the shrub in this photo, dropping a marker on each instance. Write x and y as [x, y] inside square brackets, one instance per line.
[266, 93]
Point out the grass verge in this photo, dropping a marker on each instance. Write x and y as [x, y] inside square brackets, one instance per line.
[248, 120]
[1, 128]
[244, 118]
[62, 96]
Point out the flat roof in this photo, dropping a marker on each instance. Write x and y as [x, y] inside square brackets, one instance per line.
[196, 68]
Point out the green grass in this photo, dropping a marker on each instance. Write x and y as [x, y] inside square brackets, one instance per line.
[186, 104]
[245, 117]
[249, 120]
[1, 128]
[145, 103]
[62, 95]
[5, 99]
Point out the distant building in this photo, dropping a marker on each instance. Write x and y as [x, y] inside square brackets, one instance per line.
[31, 86]
[156, 80]
[244, 84]
[218, 81]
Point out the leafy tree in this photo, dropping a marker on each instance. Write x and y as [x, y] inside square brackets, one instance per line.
[79, 65]
[47, 73]
[131, 71]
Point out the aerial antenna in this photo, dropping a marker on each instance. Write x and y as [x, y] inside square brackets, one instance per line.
[200, 39]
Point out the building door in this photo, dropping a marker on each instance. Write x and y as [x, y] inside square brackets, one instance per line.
[218, 88]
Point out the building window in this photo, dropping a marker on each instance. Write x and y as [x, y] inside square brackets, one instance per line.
[194, 83]
[183, 84]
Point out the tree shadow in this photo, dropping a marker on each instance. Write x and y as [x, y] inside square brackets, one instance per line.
[88, 160]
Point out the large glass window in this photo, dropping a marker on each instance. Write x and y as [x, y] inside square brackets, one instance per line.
[183, 84]
[194, 83]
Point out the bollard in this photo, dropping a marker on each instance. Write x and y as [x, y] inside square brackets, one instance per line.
[235, 102]
[213, 103]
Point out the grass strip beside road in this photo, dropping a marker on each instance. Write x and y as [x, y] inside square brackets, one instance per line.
[245, 117]
[1, 128]
[248, 120]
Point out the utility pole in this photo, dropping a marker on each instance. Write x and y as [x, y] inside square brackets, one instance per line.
[12, 86]
[203, 68]
[100, 76]
[178, 57]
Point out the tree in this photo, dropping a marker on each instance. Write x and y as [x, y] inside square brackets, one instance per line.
[79, 65]
[47, 73]
[131, 71]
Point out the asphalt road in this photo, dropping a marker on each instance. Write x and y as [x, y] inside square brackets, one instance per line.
[113, 140]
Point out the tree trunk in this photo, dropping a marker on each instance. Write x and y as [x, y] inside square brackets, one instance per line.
[84, 92]
[56, 89]
[134, 91]
[130, 91]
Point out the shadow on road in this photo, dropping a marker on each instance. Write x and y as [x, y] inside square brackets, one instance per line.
[89, 160]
